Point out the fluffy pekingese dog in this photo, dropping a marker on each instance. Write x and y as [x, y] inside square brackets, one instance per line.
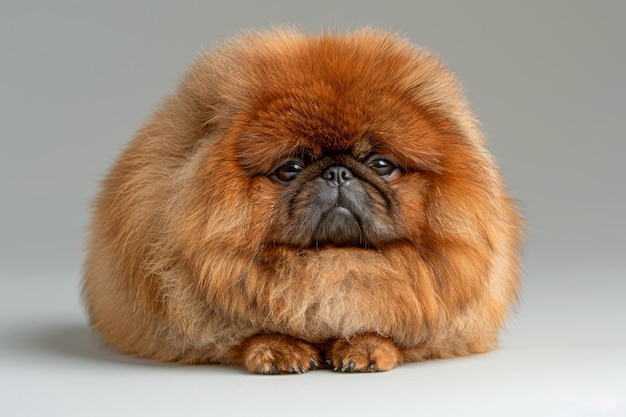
[302, 200]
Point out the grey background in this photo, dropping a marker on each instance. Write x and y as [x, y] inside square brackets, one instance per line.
[546, 78]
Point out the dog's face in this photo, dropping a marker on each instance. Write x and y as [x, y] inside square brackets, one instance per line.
[347, 195]
[342, 199]
[339, 151]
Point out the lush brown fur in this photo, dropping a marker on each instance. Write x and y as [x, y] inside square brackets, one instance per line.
[189, 259]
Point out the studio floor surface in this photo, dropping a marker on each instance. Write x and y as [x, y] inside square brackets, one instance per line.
[564, 354]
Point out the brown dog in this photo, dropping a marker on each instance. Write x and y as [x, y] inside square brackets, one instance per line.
[305, 198]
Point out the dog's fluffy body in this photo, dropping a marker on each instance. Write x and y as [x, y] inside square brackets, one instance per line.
[197, 256]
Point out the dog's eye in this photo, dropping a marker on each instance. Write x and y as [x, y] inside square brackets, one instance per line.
[382, 166]
[287, 171]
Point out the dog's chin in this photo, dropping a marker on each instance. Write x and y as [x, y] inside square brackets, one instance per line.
[339, 227]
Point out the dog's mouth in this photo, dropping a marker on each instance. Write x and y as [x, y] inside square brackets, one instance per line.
[339, 226]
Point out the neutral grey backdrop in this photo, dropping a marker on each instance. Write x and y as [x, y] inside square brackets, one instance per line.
[546, 78]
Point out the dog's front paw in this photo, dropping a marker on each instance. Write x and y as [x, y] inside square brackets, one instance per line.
[278, 354]
[368, 352]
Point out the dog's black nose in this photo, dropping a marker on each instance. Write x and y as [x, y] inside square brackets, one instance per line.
[337, 175]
